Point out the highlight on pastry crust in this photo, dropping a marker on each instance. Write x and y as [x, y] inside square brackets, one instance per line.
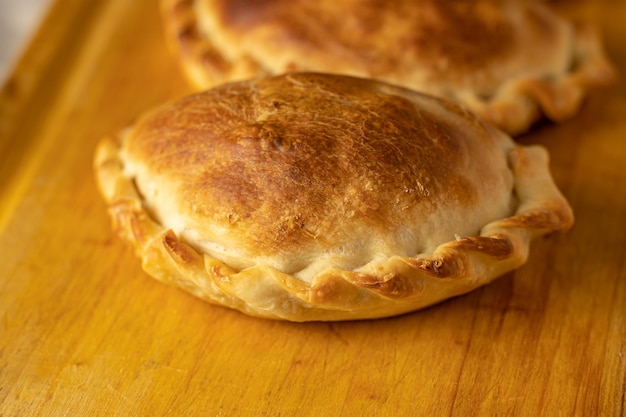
[510, 61]
[319, 197]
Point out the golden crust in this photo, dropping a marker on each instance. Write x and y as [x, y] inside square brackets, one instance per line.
[319, 197]
[509, 61]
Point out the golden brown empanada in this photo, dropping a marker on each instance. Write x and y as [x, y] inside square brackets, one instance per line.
[509, 61]
[318, 197]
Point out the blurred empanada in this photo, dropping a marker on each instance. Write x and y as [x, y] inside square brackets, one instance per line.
[509, 61]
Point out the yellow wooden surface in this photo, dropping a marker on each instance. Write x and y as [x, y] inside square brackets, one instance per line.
[84, 332]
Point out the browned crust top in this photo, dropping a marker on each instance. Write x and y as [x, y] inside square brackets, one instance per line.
[284, 159]
[462, 39]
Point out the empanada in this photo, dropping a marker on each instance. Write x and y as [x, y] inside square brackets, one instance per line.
[509, 61]
[319, 197]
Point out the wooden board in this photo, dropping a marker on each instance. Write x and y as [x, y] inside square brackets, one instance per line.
[84, 332]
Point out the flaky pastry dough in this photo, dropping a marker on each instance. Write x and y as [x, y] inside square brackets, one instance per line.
[509, 61]
[319, 197]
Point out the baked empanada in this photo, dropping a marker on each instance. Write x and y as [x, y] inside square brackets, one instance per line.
[509, 61]
[323, 197]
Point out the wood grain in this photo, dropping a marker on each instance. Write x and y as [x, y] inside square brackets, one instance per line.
[84, 332]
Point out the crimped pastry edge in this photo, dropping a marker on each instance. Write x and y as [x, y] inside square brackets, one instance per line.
[395, 286]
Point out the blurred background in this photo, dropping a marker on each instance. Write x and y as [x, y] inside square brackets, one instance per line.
[18, 20]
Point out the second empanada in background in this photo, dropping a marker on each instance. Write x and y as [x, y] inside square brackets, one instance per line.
[510, 61]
